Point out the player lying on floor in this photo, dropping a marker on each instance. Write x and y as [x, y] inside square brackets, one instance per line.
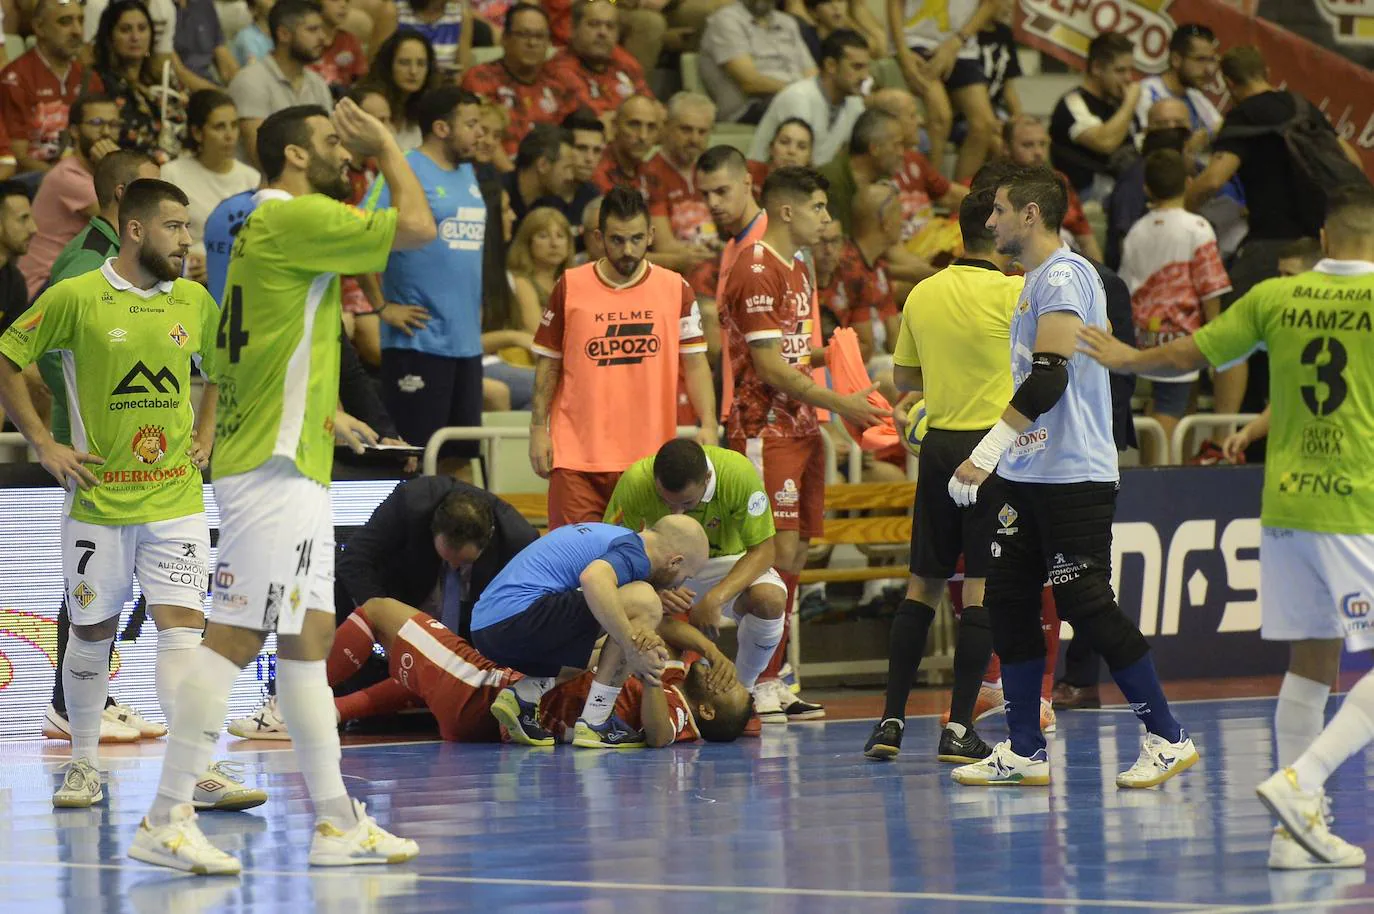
[699, 699]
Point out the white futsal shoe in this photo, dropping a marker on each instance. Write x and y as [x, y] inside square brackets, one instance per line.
[365, 842]
[1158, 761]
[81, 786]
[1304, 815]
[181, 845]
[266, 723]
[56, 726]
[221, 787]
[1004, 768]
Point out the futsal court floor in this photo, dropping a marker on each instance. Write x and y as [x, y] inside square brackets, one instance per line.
[797, 821]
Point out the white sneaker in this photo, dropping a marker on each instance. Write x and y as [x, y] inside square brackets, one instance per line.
[1158, 761]
[1004, 768]
[365, 842]
[128, 717]
[181, 845]
[267, 723]
[1287, 854]
[1303, 814]
[793, 705]
[766, 705]
[81, 787]
[221, 787]
[55, 726]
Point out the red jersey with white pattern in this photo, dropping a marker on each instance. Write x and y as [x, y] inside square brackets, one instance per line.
[601, 90]
[1170, 262]
[34, 102]
[673, 195]
[857, 288]
[610, 173]
[546, 100]
[562, 705]
[919, 185]
[767, 296]
[344, 62]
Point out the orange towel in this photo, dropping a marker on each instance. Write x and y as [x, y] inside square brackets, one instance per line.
[849, 375]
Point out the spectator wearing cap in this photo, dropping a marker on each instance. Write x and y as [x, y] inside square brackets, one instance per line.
[38, 87]
[1090, 129]
[830, 102]
[283, 78]
[638, 124]
[604, 74]
[751, 51]
[521, 80]
[544, 172]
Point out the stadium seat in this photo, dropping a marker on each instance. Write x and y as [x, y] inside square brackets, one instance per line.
[1040, 93]
[14, 46]
[691, 74]
[887, 74]
[739, 136]
[511, 461]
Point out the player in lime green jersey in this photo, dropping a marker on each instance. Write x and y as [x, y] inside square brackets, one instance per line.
[721, 490]
[277, 364]
[126, 334]
[1317, 552]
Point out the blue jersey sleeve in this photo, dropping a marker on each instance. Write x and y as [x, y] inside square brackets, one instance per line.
[1065, 287]
[627, 556]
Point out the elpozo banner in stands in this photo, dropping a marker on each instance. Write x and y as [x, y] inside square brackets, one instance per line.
[1319, 48]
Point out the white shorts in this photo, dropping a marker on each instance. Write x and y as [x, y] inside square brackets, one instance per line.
[276, 549]
[715, 571]
[99, 563]
[1317, 586]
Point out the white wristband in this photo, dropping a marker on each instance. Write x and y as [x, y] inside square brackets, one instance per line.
[994, 444]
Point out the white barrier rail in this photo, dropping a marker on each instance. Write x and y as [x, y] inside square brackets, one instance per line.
[1146, 427]
[14, 448]
[1225, 422]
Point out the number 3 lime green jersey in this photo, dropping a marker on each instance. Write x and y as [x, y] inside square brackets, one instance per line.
[278, 339]
[1319, 330]
[126, 365]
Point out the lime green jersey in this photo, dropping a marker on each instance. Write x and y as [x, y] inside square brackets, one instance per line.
[278, 339]
[1319, 330]
[126, 368]
[734, 512]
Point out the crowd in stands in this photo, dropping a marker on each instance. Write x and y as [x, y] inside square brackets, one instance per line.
[1190, 207]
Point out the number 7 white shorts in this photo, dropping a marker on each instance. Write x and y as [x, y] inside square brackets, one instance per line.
[1317, 586]
[276, 549]
[99, 562]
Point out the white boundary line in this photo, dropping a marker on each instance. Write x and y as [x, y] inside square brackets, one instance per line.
[758, 890]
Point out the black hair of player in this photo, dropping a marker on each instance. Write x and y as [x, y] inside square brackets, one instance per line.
[287, 127]
[1041, 186]
[729, 717]
[722, 156]
[623, 204]
[440, 105]
[974, 212]
[796, 182]
[680, 463]
[144, 196]
[993, 175]
[464, 518]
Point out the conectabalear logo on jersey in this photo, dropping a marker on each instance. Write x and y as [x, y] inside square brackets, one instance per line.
[628, 340]
[146, 384]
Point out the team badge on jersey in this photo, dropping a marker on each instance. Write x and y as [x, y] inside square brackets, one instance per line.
[149, 444]
[179, 335]
[1006, 517]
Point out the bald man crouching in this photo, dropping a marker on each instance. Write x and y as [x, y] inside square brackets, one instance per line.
[545, 611]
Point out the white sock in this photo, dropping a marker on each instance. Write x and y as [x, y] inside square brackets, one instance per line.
[86, 683]
[600, 703]
[197, 717]
[758, 639]
[176, 656]
[1299, 716]
[532, 688]
[307, 706]
[1349, 731]
[992, 683]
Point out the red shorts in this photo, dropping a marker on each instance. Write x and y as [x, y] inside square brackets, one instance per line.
[576, 497]
[793, 471]
[457, 683]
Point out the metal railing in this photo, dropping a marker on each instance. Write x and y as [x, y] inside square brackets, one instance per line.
[1146, 427]
[1226, 422]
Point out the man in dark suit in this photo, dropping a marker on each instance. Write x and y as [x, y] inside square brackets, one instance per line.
[432, 532]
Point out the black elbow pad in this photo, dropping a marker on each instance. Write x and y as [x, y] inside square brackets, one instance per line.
[1043, 387]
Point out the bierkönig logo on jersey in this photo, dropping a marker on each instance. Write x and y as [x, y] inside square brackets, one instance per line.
[149, 444]
[158, 389]
[628, 340]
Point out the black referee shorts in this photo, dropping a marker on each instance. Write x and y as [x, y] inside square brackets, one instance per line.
[941, 530]
[557, 630]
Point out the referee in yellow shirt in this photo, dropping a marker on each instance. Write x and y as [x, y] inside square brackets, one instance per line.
[953, 349]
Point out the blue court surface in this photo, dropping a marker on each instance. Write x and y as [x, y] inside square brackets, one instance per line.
[798, 821]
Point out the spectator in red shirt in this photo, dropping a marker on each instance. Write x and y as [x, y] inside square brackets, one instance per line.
[604, 74]
[1028, 144]
[344, 62]
[851, 272]
[38, 88]
[919, 182]
[521, 80]
[684, 235]
[638, 123]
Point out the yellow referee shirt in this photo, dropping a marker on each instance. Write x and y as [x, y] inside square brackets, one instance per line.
[956, 328]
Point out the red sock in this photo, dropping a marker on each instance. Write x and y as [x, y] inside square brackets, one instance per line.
[1049, 621]
[994, 672]
[780, 655]
[386, 697]
[352, 646]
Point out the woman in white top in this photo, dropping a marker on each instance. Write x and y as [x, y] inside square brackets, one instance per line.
[208, 172]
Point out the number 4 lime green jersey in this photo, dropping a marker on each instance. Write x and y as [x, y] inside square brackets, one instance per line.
[126, 366]
[1319, 330]
[734, 511]
[278, 338]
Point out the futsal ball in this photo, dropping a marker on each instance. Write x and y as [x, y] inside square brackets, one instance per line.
[916, 424]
